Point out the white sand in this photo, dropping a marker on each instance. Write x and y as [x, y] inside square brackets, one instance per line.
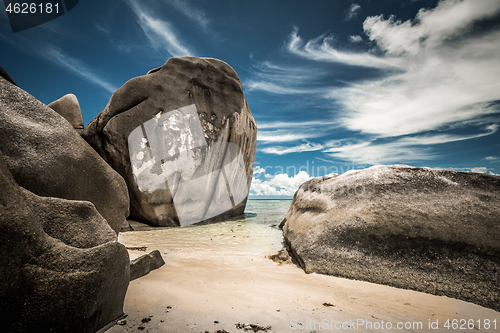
[221, 274]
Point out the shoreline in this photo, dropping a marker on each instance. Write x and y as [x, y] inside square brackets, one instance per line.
[211, 282]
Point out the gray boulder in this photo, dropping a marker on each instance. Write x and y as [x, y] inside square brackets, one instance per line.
[145, 264]
[50, 286]
[47, 157]
[75, 223]
[434, 231]
[181, 124]
[68, 107]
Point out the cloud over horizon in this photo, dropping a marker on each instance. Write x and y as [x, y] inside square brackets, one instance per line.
[277, 185]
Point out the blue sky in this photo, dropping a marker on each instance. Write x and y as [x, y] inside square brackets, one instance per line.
[333, 85]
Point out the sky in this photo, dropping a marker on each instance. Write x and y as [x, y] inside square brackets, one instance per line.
[333, 85]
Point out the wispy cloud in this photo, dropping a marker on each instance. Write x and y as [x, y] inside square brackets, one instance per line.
[353, 11]
[281, 132]
[321, 49]
[284, 136]
[281, 79]
[278, 185]
[76, 66]
[450, 73]
[159, 32]
[274, 88]
[291, 124]
[446, 74]
[386, 153]
[444, 138]
[436, 73]
[288, 150]
[195, 14]
[492, 159]
[399, 150]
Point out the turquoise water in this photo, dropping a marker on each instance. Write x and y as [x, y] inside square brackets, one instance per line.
[255, 234]
[267, 211]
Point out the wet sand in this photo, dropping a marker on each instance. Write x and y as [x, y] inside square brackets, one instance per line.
[219, 275]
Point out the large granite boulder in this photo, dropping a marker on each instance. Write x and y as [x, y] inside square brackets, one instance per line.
[48, 157]
[191, 137]
[435, 231]
[68, 107]
[48, 285]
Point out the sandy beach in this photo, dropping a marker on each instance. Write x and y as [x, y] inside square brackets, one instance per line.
[218, 277]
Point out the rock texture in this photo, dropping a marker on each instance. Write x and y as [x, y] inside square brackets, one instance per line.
[68, 107]
[215, 91]
[435, 231]
[50, 286]
[75, 223]
[48, 157]
[145, 264]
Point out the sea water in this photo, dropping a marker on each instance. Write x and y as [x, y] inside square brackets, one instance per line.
[255, 234]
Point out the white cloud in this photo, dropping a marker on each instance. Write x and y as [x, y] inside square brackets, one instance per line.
[278, 185]
[355, 39]
[479, 169]
[284, 136]
[289, 150]
[274, 88]
[76, 66]
[399, 150]
[160, 33]
[303, 124]
[431, 27]
[438, 74]
[258, 170]
[157, 29]
[320, 49]
[492, 159]
[279, 131]
[484, 170]
[353, 11]
[444, 138]
[387, 153]
[449, 76]
[280, 79]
